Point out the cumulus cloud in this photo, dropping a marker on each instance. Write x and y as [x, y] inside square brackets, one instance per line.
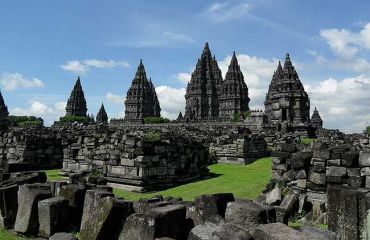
[346, 43]
[172, 101]
[37, 108]
[82, 67]
[344, 103]
[13, 81]
[222, 12]
[113, 98]
[184, 77]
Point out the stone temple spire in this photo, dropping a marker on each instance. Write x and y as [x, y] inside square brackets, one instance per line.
[316, 120]
[203, 90]
[141, 100]
[3, 109]
[102, 116]
[286, 99]
[234, 98]
[76, 105]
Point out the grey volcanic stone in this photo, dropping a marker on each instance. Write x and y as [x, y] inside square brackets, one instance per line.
[317, 233]
[336, 171]
[317, 178]
[245, 214]
[63, 236]
[53, 216]
[274, 197]
[75, 194]
[170, 221]
[364, 159]
[203, 231]
[278, 231]
[211, 207]
[28, 197]
[231, 231]
[138, 226]
[8, 206]
[106, 219]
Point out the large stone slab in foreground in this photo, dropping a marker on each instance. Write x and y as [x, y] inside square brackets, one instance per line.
[28, 197]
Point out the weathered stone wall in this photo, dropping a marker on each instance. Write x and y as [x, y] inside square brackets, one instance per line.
[37, 148]
[309, 170]
[136, 158]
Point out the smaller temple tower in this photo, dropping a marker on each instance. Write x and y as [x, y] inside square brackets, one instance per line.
[102, 116]
[234, 98]
[141, 100]
[76, 105]
[316, 121]
[3, 109]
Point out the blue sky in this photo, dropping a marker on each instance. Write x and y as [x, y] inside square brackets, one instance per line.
[45, 45]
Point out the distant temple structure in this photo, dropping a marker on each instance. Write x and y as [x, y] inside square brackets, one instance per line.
[3, 109]
[141, 100]
[234, 92]
[76, 104]
[287, 101]
[102, 116]
[316, 120]
[209, 97]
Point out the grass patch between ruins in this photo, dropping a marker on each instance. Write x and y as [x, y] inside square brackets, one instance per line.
[6, 235]
[53, 175]
[307, 141]
[244, 181]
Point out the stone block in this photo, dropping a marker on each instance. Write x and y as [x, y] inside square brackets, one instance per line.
[333, 162]
[301, 174]
[170, 221]
[365, 171]
[53, 216]
[336, 171]
[211, 207]
[364, 159]
[63, 236]
[322, 153]
[355, 182]
[277, 231]
[286, 147]
[353, 172]
[313, 232]
[231, 231]
[350, 158]
[317, 178]
[290, 203]
[274, 197]
[203, 231]
[8, 206]
[302, 183]
[246, 214]
[138, 226]
[75, 194]
[29, 195]
[106, 219]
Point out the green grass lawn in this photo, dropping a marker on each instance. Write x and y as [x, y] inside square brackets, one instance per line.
[307, 141]
[54, 175]
[243, 181]
[5, 235]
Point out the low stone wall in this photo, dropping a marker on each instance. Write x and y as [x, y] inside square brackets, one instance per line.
[240, 150]
[136, 158]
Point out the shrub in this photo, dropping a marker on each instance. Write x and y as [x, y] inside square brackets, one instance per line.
[72, 119]
[156, 120]
[23, 121]
[367, 130]
[152, 137]
[237, 116]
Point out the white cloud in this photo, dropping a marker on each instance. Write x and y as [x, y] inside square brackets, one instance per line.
[82, 67]
[184, 77]
[13, 81]
[40, 109]
[112, 98]
[105, 64]
[347, 44]
[171, 100]
[222, 12]
[75, 66]
[343, 104]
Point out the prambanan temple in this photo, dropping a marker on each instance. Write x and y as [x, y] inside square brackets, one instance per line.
[210, 98]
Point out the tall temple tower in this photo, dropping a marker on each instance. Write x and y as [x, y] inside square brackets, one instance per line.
[102, 116]
[316, 121]
[141, 100]
[76, 105]
[286, 100]
[204, 88]
[234, 97]
[3, 109]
